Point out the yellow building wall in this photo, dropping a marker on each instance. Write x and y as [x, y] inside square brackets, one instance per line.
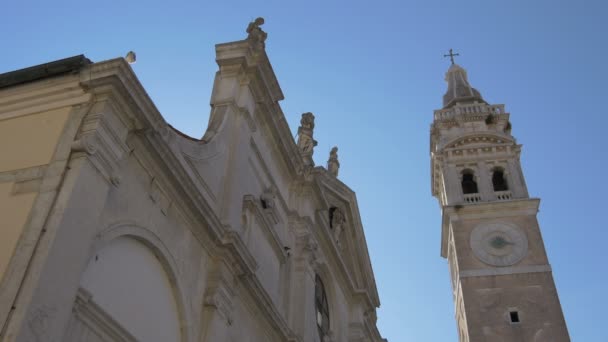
[30, 140]
[25, 141]
[14, 211]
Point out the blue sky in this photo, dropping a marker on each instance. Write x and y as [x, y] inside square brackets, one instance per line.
[372, 72]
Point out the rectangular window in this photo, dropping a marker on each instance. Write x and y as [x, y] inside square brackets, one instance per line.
[514, 316]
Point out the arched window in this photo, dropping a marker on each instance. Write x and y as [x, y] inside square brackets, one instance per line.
[498, 180]
[469, 186]
[321, 307]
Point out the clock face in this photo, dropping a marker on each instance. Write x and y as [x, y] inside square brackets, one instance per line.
[499, 244]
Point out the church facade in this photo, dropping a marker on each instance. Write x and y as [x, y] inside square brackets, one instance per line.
[118, 227]
[502, 284]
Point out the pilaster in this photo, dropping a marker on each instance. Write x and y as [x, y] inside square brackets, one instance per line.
[218, 309]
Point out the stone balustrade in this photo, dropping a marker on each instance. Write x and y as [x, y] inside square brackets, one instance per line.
[474, 109]
[472, 198]
[503, 195]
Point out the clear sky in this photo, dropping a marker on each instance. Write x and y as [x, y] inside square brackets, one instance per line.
[372, 73]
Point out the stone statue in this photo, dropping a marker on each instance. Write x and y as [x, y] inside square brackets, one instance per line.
[306, 143]
[333, 165]
[255, 34]
[337, 223]
[268, 197]
[308, 121]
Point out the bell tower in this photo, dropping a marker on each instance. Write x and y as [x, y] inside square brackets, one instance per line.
[502, 283]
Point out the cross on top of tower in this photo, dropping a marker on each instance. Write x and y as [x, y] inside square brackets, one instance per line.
[451, 55]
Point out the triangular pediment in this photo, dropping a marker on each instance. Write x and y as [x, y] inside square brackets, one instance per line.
[351, 250]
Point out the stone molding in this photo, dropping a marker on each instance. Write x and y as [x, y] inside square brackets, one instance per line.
[167, 258]
[91, 315]
[485, 272]
[252, 206]
[49, 94]
[263, 302]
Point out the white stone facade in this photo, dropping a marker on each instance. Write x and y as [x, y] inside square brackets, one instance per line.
[140, 233]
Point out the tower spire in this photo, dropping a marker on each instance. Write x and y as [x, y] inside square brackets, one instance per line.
[459, 89]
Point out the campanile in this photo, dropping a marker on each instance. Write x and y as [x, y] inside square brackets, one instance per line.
[502, 283]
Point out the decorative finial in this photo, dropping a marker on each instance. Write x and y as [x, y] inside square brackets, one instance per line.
[255, 34]
[333, 165]
[130, 57]
[306, 143]
[451, 55]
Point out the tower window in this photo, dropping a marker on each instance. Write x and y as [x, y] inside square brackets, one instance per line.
[469, 186]
[498, 180]
[322, 308]
[514, 315]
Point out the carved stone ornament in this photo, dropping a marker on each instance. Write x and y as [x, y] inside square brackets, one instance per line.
[88, 143]
[268, 197]
[499, 244]
[337, 223]
[268, 200]
[311, 252]
[256, 35]
[220, 300]
[333, 165]
[306, 143]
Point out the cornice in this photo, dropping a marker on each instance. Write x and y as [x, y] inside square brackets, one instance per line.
[95, 318]
[152, 151]
[252, 205]
[43, 95]
[242, 53]
[264, 303]
[244, 262]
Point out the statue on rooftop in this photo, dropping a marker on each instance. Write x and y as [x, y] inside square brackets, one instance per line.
[306, 143]
[333, 165]
[255, 34]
